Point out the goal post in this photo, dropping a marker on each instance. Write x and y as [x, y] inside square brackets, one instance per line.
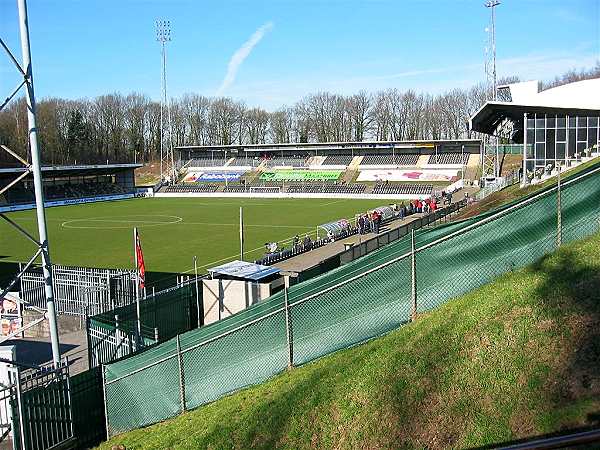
[265, 189]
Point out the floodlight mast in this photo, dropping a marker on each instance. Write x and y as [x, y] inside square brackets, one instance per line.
[492, 162]
[37, 180]
[167, 161]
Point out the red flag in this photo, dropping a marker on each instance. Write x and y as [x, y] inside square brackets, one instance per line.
[141, 267]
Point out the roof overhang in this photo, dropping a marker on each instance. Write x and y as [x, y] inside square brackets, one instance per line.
[300, 146]
[243, 270]
[487, 119]
[65, 171]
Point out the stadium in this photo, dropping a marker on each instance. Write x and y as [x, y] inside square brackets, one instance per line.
[264, 272]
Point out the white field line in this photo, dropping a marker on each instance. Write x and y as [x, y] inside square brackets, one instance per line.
[334, 202]
[181, 221]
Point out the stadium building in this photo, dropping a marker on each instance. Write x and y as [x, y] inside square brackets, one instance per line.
[65, 185]
[558, 126]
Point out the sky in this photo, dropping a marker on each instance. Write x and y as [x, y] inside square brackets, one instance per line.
[271, 53]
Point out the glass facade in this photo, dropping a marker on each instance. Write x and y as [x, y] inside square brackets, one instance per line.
[551, 138]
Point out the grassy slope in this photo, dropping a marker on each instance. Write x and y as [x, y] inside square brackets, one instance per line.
[208, 229]
[515, 192]
[516, 358]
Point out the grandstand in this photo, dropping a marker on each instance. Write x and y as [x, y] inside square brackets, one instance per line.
[352, 168]
[404, 189]
[69, 184]
[558, 126]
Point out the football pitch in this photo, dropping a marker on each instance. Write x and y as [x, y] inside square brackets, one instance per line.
[172, 230]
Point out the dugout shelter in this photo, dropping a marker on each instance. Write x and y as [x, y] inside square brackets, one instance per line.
[235, 286]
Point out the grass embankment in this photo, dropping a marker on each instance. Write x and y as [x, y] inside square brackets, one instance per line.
[518, 357]
[515, 192]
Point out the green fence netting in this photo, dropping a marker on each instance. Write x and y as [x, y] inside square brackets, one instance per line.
[89, 422]
[346, 306]
[162, 316]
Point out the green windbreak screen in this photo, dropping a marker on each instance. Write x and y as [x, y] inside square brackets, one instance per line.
[365, 300]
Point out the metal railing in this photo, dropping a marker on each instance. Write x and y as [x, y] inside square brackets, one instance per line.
[80, 291]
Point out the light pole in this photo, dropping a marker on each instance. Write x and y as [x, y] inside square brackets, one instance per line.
[492, 75]
[37, 182]
[167, 163]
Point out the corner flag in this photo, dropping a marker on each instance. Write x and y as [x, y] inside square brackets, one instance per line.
[139, 256]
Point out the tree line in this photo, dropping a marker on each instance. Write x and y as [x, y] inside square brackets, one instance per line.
[124, 128]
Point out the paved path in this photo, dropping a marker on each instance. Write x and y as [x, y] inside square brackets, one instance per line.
[305, 261]
[38, 350]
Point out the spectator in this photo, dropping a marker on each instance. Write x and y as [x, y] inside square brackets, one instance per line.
[361, 224]
[376, 221]
[367, 223]
[307, 243]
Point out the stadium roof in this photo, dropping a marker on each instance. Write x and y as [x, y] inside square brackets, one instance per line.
[60, 171]
[581, 98]
[492, 114]
[244, 270]
[289, 146]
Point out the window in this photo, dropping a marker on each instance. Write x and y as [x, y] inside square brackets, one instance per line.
[582, 134]
[571, 143]
[561, 135]
[560, 150]
[561, 122]
[530, 136]
[582, 122]
[592, 121]
[540, 135]
[540, 151]
[550, 141]
[572, 122]
[592, 136]
[551, 122]
[540, 123]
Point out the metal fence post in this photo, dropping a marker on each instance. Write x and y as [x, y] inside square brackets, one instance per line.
[413, 271]
[558, 212]
[155, 334]
[21, 412]
[181, 376]
[197, 292]
[103, 367]
[288, 323]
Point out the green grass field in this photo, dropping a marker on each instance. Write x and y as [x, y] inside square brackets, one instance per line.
[172, 230]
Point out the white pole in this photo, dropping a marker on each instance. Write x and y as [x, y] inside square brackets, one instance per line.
[241, 234]
[37, 182]
[137, 284]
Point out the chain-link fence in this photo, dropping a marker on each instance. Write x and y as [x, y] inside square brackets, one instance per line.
[157, 318]
[353, 303]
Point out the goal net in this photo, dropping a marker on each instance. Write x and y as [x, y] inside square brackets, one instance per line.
[265, 189]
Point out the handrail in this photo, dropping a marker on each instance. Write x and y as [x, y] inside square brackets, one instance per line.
[585, 437]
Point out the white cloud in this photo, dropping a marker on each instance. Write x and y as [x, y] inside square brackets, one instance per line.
[240, 55]
[273, 93]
